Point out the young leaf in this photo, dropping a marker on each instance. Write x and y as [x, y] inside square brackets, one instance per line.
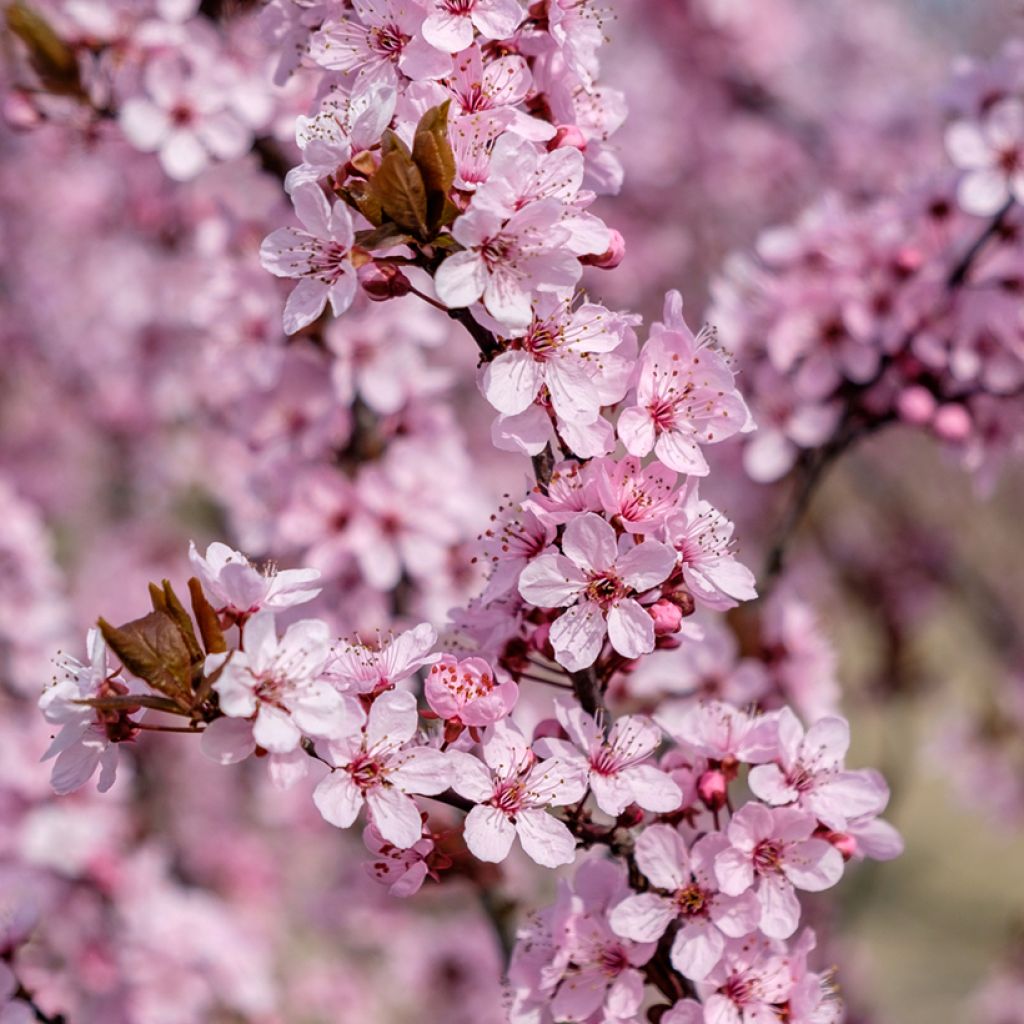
[176, 610]
[153, 649]
[387, 236]
[206, 616]
[398, 187]
[433, 156]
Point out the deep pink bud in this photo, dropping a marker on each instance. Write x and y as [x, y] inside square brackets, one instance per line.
[612, 256]
[916, 405]
[952, 422]
[568, 135]
[713, 789]
[381, 281]
[845, 844]
[667, 615]
[539, 638]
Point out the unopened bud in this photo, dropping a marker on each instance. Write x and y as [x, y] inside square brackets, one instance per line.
[549, 728]
[539, 638]
[844, 843]
[916, 405]
[612, 256]
[568, 135]
[713, 789]
[19, 111]
[667, 615]
[382, 281]
[952, 422]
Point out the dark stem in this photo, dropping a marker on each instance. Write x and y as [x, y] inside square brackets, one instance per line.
[959, 273]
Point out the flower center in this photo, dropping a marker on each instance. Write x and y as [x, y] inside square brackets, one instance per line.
[605, 589]
[509, 796]
[367, 772]
[767, 856]
[692, 901]
[388, 41]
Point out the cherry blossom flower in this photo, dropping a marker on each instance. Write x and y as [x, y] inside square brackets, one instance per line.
[749, 983]
[685, 396]
[88, 737]
[565, 351]
[704, 539]
[618, 768]
[467, 693]
[278, 684]
[375, 762]
[184, 118]
[515, 537]
[511, 790]
[634, 496]
[318, 255]
[505, 262]
[403, 872]
[371, 668]
[992, 155]
[720, 731]
[386, 37]
[772, 850]
[233, 584]
[705, 915]
[597, 580]
[449, 25]
[809, 773]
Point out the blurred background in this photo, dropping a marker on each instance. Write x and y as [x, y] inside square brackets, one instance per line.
[148, 398]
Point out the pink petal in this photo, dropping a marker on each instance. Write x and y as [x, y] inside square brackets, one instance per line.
[662, 856]
[551, 581]
[395, 815]
[461, 279]
[488, 834]
[227, 740]
[813, 865]
[338, 799]
[646, 565]
[392, 720]
[470, 777]
[630, 629]
[652, 788]
[590, 542]
[275, 731]
[577, 636]
[734, 872]
[421, 770]
[767, 782]
[304, 305]
[636, 431]
[780, 909]
[511, 381]
[696, 949]
[642, 918]
[545, 839]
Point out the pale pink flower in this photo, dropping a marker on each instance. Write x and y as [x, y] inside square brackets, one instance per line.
[184, 117]
[233, 584]
[636, 497]
[278, 684]
[749, 984]
[619, 767]
[601, 973]
[568, 352]
[371, 668]
[773, 852]
[403, 872]
[512, 791]
[88, 738]
[810, 773]
[505, 262]
[467, 693]
[449, 25]
[992, 155]
[706, 916]
[515, 537]
[813, 999]
[385, 36]
[685, 396]
[318, 255]
[597, 580]
[704, 539]
[720, 731]
[376, 763]
[571, 490]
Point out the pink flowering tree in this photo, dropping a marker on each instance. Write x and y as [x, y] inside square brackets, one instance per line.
[584, 703]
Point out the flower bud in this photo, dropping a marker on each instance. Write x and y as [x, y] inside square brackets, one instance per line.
[539, 638]
[568, 135]
[844, 843]
[382, 281]
[713, 789]
[916, 405]
[549, 728]
[952, 422]
[19, 111]
[667, 615]
[611, 257]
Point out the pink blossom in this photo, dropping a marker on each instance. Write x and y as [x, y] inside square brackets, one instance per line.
[371, 668]
[720, 731]
[772, 851]
[449, 25]
[278, 683]
[387, 36]
[749, 984]
[318, 255]
[704, 539]
[685, 396]
[467, 693]
[505, 262]
[992, 155]
[706, 916]
[515, 537]
[184, 117]
[636, 497]
[571, 490]
[809, 772]
[403, 872]
[232, 583]
[88, 737]
[597, 580]
[511, 790]
[375, 762]
[618, 767]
